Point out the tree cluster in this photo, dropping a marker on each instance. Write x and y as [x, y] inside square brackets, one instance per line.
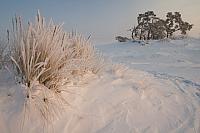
[152, 27]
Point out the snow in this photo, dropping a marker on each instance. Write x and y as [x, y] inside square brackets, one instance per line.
[176, 58]
[144, 89]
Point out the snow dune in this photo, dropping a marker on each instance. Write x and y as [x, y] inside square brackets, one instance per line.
[148, 94]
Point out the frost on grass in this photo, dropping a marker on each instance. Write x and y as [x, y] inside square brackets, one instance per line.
[1, 54]
[45, 58]
[3, 47]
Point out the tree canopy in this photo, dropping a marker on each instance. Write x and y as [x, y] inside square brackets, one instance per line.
[149, 26]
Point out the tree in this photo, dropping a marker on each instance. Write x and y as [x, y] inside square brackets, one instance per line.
[182, 26]
[158, 29]
[143, 29]
[134, 32]
[175, 23]
[149, 18]
[169, 24]
[152, 27]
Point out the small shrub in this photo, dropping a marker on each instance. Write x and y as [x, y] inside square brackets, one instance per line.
[45, 58]
[122, 39]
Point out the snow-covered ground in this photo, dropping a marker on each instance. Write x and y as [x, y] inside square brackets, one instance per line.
[155, 89]
[175, 58]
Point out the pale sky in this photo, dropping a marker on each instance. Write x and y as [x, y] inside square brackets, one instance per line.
[103, 19]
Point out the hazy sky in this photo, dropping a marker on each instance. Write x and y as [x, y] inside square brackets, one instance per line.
[103, 19]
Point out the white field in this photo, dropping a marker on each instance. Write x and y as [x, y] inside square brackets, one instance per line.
[155, 89]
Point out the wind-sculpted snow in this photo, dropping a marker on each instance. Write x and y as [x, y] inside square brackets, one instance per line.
[123, 98]
[135, 101]
[128, 100]
[176, 78]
